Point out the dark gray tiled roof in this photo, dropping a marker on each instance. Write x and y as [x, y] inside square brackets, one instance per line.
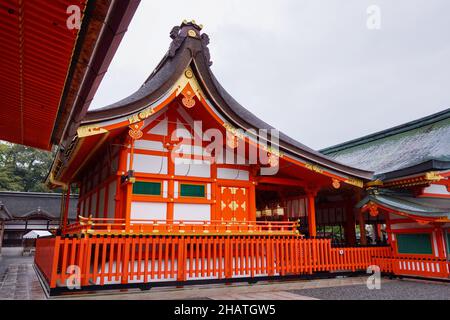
[424, 141]
[24, 204]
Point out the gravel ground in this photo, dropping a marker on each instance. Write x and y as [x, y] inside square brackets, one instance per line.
[405, 289]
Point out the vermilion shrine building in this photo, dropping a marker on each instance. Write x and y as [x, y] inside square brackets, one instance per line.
[156, 204]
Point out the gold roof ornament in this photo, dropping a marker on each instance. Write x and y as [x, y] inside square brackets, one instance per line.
[433, 176]
[336, 183]
[192, 22]
[90, 130]
[374, 183]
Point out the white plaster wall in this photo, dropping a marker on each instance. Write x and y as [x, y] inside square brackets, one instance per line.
[191, 211]
[148, 164]
[232, 174]
[148, 210]
[160, 128]
[149, 145]
[436, 189]
[190, 149]
[182, 131]
[192, 168]
[165, 188]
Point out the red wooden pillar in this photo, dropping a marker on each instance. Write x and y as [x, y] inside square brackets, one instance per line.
[128, 190]
[171, 132]
[379, 234]
[440, 240]
[362, 228]
[350, 232]
[66, 209]
[311, 194]
[135, 133]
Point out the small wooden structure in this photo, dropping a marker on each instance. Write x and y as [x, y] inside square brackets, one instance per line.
[29, 240]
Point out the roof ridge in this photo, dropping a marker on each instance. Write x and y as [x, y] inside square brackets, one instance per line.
[411, 125]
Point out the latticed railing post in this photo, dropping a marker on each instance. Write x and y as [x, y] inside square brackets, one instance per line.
[55, 261]
[181, 259]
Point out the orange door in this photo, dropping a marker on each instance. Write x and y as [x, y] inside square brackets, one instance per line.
[233, 203]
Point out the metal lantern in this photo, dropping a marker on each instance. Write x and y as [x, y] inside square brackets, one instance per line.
[267, 212]
[279, 211]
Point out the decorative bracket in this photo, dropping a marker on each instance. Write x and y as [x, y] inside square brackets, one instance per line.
[135, 130]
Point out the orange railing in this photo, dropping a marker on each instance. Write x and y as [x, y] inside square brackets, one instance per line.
[149, 259]
[108, 226]
[415, 266]
[46, 256]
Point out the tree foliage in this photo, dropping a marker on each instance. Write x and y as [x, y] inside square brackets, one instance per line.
[23, 168]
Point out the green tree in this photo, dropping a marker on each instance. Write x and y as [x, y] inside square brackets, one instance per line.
[23, 168]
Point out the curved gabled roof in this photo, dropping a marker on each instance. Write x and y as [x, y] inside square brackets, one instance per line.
[189, 49]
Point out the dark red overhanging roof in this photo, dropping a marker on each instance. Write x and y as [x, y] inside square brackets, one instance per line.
[44, 64]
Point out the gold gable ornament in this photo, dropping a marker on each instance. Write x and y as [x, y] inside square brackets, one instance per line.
[336, 183]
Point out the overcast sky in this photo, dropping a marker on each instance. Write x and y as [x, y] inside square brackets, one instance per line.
[312, 69]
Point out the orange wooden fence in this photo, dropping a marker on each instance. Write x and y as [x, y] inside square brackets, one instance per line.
[415, 266]
[125, 260]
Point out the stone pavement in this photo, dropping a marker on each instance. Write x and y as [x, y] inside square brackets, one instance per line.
[18, 279]
[264, 290]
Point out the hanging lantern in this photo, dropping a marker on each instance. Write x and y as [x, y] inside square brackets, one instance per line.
[267, 212]
[273, 159]
[258, 213]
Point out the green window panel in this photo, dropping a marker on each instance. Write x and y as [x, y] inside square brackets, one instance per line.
[192, 190]
[147, 188]
[448, 242]
[414, 243]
